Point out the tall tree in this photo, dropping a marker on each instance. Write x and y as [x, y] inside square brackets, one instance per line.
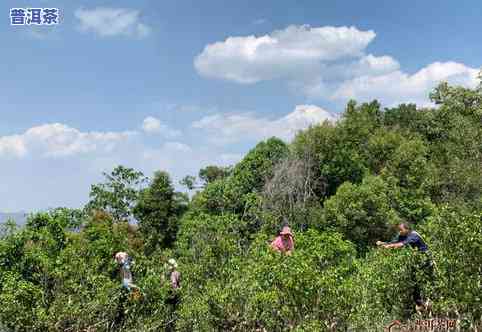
[118, 194]
[212, 173]
[158, 210]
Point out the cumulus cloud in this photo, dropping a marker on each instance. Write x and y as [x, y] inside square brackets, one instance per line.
[152, 125]
[396, 86]
[56, 139]
[12, 146]
[230, 128]
[288, 53]
[326, 63]
[58, 151]
[180, 159]
[333, 74]
[109, 22]
[177, 146]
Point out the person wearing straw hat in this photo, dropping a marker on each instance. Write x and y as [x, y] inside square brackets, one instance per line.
[284, 242]
[125, 262]
[173, 297]
[175, 274]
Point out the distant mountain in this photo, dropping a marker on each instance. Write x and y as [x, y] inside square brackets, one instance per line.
[20, 217]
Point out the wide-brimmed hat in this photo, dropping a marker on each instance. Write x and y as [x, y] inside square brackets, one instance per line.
[172, 262]
[286, 231]
[121, 256]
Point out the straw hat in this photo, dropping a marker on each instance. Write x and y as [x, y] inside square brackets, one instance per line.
[121, 256]
[172, 262]
[286, 231]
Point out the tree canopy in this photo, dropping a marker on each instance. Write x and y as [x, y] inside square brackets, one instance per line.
[339, 186]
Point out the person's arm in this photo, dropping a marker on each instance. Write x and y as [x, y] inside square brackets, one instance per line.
[410, 239]
[392, 241]
[290, 247]
[393, 245]
[274, 246]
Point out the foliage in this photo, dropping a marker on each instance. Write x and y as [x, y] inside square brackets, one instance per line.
[157, 210]
[212, 173]
[118, 194]
[456, 241]
[207, 175]
[340, 187]
[189, 182]
[250, 174]
[363, 213]
[381, 290]
[291, 193]
[231, 194]
[271, 291]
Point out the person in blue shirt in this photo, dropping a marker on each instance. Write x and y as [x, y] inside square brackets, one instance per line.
[125, 261]
[408, 237]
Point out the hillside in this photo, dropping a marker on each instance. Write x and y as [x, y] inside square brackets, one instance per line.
[340, 187]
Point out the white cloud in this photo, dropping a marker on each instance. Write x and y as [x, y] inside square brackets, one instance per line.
[109, 22]
[180, 159]
[289, 53]
[56, 139]
[370, 65]
[397, 87]
[59, 151]
[226, 128]
[333, 74]
[177, 147]
[12, 146]
[152, 125]
[326, 63]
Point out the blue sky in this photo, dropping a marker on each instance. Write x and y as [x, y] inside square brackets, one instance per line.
[178, 85]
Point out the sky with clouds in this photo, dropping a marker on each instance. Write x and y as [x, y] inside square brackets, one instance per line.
[178, 85]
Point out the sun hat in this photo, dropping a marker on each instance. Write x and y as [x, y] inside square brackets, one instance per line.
[121, 257]
[172, 262]
[286, 231]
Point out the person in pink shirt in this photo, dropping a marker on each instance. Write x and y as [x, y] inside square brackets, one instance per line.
[284, 242]
[175, 280]
[175, 275]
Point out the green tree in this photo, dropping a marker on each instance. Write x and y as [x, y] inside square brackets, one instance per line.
[411, 176]
[232, 193]
[118, 194]
[158, 210]
[251, 173]
[381, 289]
[339, 150]
[455, 239]
[340, 186]
[211, 173]
[189, 182]
[362, 213]
[267, 290]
